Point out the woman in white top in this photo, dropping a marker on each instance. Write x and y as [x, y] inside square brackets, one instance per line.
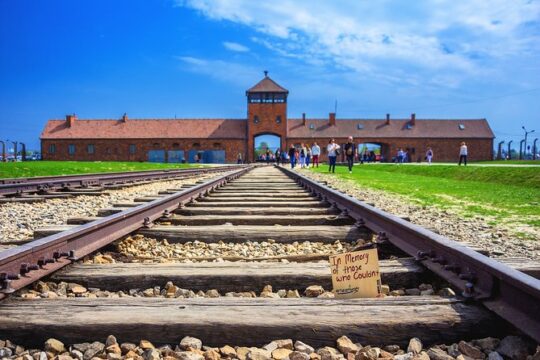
[333, 150]
[463, 153]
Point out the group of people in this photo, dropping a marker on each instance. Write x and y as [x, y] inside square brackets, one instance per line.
[304, 155]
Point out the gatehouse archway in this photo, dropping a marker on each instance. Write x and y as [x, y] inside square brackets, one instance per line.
[265, 144]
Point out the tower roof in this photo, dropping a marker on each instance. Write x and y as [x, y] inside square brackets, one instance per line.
[267, 85]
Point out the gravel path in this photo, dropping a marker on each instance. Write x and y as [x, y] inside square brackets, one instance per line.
[496, 239]
[18, 220]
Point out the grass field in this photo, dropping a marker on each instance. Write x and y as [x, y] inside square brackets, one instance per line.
[509, 162]
[46, 168]
[506, 195]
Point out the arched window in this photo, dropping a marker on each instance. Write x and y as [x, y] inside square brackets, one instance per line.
[196, 145]
[217, 145]
[256, 119]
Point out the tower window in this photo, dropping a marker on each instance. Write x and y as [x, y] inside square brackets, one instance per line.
[278, 119]
[256, 119]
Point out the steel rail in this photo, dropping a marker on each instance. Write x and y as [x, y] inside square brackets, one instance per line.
[14, 186]
[27, 263]
[511, 294]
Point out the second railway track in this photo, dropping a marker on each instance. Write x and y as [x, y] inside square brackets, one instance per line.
[262, 212]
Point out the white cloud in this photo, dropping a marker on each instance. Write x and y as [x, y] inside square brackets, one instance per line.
[235, 46]
[232, 72]
[448, 38]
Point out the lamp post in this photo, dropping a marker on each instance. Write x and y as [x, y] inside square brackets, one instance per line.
[14, 149]
[535, 150]
[526, 133]
[3, 151]
[23, 152]
[521, 151]
[499, 151]
[510, 150]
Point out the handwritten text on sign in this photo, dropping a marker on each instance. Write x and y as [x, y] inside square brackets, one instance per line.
[356, 274]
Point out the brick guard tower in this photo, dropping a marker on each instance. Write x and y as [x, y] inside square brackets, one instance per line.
[267, 112]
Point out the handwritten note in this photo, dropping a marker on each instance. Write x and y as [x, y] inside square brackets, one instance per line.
[356, 274]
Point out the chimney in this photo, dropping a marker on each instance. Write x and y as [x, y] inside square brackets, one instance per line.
[413, 119]
[387, 119]
[332, 119]
[70, 120]
[303, 119]
[124, 117]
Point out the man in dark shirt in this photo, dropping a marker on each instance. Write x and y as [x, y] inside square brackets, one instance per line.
[292, 156]
[350, 153]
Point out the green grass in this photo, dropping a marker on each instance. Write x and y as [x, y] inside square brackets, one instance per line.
[46, 168]
[501, 195]
[509, 162]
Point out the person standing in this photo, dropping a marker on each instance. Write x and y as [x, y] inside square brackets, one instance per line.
[400, 156]
[350, 153]
[333, 152]
[302, 156]
[292, 158]
[429, 155]
[463, 152]
[315, 152]
[278, 156]
[308, 155]
[239, 158]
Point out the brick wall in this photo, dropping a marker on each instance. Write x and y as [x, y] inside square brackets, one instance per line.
[267, 114]
[118, 149]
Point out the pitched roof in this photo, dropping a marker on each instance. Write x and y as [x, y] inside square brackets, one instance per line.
[267, 85]
[146, 129]
[427, 128]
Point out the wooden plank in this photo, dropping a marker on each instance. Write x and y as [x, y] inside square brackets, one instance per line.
[109, 211]
[26, 200]
[242, 233]
[255, 199]
[527, 266]
[126, 204]
[51, 230]
[249, 322]
[189, 210]
[258, 194]
[228, 276]
[82, 220]
[268, 204]
[259, 220]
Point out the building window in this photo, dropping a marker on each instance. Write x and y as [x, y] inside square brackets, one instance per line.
[175, 145]
[256, 119]
[132, 149]
[359, 126]
[312, 126]
[52, 148]
[108, 150]
[71, 149]
[90, 148]
[217, 145]
[278, 119]
[155, 145]
[461, 127]
[196, 145]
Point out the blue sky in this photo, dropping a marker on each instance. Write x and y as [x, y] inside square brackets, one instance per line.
[196, 58]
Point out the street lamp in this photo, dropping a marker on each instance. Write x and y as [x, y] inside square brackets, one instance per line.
[526, 133]
[535, 150]
[499, 151]
[510, 150]
[3, 150]
[14, 148]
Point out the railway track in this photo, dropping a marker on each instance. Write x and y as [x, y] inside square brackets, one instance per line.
[192, 259]
[53, 187]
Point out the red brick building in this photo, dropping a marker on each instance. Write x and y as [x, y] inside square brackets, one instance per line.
[221, 140]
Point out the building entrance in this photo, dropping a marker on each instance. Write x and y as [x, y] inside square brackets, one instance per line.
[266, 145]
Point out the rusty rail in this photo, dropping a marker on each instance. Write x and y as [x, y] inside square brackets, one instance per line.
[27, 263]
[511, 294]
[15, 186]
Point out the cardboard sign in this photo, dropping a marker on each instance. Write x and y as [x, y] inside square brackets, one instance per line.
[356, 274]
